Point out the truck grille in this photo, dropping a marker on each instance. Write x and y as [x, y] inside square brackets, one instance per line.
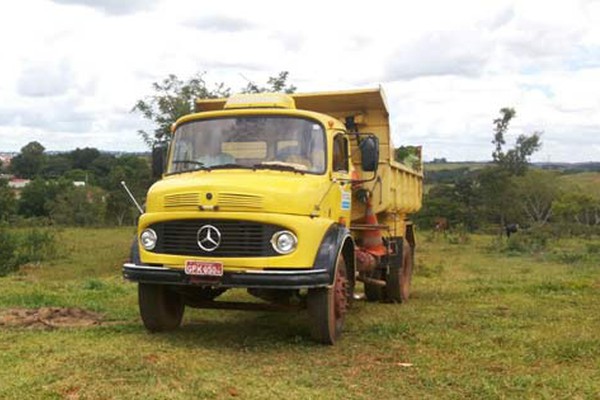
[238, 238]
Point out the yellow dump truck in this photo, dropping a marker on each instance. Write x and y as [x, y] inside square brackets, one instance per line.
[294, 198]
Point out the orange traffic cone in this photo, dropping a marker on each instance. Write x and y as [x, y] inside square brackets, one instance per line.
[372, 238]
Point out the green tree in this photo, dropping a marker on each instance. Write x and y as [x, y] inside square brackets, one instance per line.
[30, 162]
[174, 98]
[136, 172]
[100, 169]
[36, 197]
[83, 158]
[515, 160]
[496, 185]
[79, 206]
[536, 191]
[275, 84]
[440, 202]
[495, 189]
[56, 165]
[8, 203]
[577, 207]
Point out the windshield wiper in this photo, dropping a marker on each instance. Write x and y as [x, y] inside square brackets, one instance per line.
[278, 167]
[198, 166]
[229, 165]
[188, 162]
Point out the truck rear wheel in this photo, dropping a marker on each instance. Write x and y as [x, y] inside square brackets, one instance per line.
[161, 308]
[399, 278]
[327, 306]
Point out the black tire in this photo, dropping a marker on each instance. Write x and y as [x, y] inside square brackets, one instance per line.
[327, 306]
[400, 277]
[375, 292]
[161, 308]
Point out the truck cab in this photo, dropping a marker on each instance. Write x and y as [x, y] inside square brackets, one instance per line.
[261, 194]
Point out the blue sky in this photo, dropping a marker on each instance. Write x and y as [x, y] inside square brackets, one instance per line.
[73, 69]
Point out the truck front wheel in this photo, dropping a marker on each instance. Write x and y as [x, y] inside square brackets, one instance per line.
[327, 306]
[161, 308]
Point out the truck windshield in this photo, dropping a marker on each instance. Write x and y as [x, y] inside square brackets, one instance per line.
[261, 142]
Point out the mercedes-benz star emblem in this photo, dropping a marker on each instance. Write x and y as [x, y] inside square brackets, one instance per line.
[209, 238]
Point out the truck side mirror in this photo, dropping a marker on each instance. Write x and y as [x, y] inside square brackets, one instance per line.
[369, 152]
[159, 158]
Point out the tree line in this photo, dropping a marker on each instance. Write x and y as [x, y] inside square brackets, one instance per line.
[80, 187]
[509, 191]
[506, 191]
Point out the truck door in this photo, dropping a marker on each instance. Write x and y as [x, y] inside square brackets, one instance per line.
[342, 202]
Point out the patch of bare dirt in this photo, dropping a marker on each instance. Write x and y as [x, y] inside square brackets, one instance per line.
[48, 317]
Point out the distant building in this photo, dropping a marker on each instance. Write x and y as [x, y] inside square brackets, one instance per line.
[18, 183]
[5, 159]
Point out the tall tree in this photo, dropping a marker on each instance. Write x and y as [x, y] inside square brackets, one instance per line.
[536, 192]
[83, 158]
[496, 183]
[30, 162]
[8, 203]
[515, 160]
[36, 197]
[174, 98]
[136, 172]
[275, 84]
[80, 206]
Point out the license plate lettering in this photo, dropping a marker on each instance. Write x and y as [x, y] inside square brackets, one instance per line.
[203, 268]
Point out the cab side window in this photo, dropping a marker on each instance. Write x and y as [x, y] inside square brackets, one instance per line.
[340, 153]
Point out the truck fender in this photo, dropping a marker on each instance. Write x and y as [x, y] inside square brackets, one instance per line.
[337, 240]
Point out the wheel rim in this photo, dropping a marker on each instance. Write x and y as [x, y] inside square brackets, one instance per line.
[340, 294]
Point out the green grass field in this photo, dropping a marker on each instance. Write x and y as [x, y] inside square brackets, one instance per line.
[587, 181]
[472, 165]
[481, 325]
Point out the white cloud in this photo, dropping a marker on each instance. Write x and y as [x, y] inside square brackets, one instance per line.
[76, 68]
[117, 7]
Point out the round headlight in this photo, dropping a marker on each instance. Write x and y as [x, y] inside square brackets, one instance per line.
[284, 242]
[148, 239]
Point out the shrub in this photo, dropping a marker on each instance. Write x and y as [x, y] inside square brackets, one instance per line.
[37, 245]
[592, 248]
[17, 249]
[9, 244]
[534, 240]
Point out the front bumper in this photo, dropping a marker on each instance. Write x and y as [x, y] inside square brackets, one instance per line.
[262, 279]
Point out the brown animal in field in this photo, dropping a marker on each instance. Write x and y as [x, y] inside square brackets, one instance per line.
[441, 224]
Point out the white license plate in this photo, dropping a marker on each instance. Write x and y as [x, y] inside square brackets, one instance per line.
[203, 268]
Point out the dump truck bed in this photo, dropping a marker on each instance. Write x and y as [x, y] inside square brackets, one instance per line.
[398, 188]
